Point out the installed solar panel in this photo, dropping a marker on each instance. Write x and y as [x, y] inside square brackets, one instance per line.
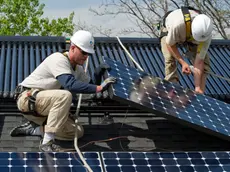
[169, 100]
[48, 162]
[162, 161]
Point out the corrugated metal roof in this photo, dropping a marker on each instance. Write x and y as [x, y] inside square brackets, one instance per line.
[19, 56]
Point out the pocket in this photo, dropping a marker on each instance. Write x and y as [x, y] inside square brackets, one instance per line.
[22, 102]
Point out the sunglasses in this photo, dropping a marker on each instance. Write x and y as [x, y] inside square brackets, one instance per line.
[83, 52]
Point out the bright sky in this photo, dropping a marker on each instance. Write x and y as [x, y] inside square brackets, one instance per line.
[57, 8]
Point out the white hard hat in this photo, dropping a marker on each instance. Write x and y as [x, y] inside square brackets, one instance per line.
[84, 40]
[202, 27]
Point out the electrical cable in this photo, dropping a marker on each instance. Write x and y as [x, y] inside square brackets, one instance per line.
[130, 56]
[76, 127]
[210, 73]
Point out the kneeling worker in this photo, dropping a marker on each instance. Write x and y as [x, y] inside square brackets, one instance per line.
[41, 98]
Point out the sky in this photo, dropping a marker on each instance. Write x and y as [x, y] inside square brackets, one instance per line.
[55, 8]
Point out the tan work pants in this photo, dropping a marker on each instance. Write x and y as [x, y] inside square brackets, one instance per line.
[170, 62]
[54, 105]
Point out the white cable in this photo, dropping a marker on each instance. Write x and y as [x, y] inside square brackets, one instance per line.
[76, 129]
[210, 73]
[130, 56]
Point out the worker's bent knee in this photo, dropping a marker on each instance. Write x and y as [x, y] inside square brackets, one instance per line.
[66, 96]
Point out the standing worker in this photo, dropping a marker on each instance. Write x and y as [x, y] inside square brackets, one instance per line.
[193, 29]
[41, 100]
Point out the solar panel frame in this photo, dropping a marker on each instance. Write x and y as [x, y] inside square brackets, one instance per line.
[120, 93]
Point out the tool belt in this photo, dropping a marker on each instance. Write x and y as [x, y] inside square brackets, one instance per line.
[31, 94]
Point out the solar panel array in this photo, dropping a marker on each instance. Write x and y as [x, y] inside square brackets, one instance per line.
[48, 162]
[166, 161]
[116, 162]
[169, 100]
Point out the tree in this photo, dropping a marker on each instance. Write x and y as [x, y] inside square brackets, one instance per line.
[24, 18]
[147, 13]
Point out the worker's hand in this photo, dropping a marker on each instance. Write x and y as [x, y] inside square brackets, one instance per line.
[186, 69]
[107, 82]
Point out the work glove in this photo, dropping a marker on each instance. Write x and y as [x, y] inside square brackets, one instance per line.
[107, 83]
[99, 71]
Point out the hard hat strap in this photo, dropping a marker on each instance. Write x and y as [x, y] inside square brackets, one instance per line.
[188, 20]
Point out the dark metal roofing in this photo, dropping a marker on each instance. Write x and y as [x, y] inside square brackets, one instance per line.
[19, 56]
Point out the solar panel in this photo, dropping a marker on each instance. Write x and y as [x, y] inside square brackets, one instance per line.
[169, 100]
[48, 162]
[166, 161]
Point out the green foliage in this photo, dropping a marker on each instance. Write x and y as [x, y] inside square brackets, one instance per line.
[24, 18]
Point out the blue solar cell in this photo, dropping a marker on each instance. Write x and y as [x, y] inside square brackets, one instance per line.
[47, 162]
[143, 168]
[172, 169]
[155, 162]
[138, 155]
[169, 100]
[17, 162]
[33, 155]
[4, 162]
[226, 167]
[126, 162]
[112, 169]
[17, 169]
[187, 168]
[215, 168]
[110, 155]
[181, 155]
[166, 155]
[128, 168]
[61, 155]
[4, 155]
[152, 155]
[157, 168]
[111, 161]
[91, 155]
[169, 162]
[32, 162]
[124, 155]
[183, 161]
[201, 169]
[140, 162]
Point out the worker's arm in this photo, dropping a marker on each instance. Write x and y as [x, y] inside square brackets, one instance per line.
[175, 53]
[199, 77]
[198, 74]
[69, 82]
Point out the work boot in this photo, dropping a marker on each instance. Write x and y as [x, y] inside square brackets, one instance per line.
[50, 147]
[25, 129]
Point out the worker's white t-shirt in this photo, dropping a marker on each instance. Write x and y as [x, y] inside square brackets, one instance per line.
[44, 76]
